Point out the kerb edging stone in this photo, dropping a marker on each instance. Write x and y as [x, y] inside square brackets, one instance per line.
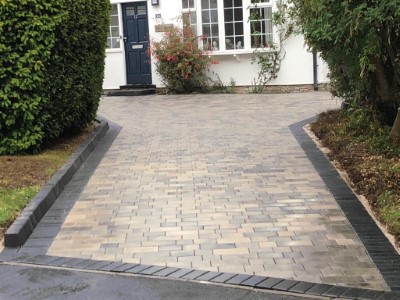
[24, 225]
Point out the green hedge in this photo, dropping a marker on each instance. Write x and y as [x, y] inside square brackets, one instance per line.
[51, 69]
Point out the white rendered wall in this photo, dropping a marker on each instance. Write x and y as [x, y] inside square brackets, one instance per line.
[296, 68]
[114, 73]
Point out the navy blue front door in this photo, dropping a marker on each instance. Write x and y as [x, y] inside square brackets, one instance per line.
[136, 39]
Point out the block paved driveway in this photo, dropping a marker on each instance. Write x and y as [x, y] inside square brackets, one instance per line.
[211, 182]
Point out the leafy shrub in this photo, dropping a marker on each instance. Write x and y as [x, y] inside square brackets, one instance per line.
[51, 69]
[179, 60]
[359, 40]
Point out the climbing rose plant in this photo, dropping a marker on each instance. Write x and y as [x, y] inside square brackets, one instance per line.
[180, 62]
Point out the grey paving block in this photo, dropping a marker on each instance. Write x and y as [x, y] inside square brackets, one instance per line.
[82, 263]
[72, 262]
[285, 285]
[223, 277]
[353, 293]
[390, 296]
[124, 267]
[253, 280]
[111, 266]
[166, 271]
[193, 275]
[152, 270]
[137, 269]
[335, 291]
[301, 287]
[98, 265]
[371, 295]
[208, 276]
[319, 289]
[179, 273]
[269, 283]
[238, 279]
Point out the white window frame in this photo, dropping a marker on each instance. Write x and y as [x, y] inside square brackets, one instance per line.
[117, 49]
[190, 10]
[260, 5]
[246, 5]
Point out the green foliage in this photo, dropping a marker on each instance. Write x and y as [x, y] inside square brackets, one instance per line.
[360, 42]
[179, 61]
[363, 124]
[51, 69]
[14, 200]
[389, 207]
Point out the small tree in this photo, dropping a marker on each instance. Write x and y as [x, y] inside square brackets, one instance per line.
[179, 60]
[360, 42]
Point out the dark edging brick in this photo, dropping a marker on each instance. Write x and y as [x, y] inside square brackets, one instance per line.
[238, 280]
[382, 252]
[24, 225]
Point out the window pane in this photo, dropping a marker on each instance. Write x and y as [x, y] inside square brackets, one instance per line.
[229, 44]
[214, 30]
[209, 18]
[141, 10]
[215, 45]
[114, 20]
[229, 29]
[191, 3]
[205, 4]
[228, 15]
[130, 11]
[228, 3]
[261, 27]
[239, 43]
[206, 30]
[238, 14]
[214, 16]
[233, 14]
[237, 3]
[213, 3]
[115, 43]
[239, 28]
[113, 32]
[114, 9]
[185, 4]
[205, 16]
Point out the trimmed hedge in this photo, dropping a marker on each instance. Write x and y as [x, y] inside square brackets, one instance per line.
[51, 69]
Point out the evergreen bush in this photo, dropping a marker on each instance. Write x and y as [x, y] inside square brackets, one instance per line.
[51, 69]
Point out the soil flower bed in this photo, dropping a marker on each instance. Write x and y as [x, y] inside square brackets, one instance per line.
[362, 149]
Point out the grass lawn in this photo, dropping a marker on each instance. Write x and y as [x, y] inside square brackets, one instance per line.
[21, 177]
[361, 147]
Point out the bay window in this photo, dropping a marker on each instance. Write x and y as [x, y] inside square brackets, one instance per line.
[230, 26]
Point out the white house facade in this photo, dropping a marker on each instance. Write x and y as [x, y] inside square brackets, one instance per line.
[228, 34]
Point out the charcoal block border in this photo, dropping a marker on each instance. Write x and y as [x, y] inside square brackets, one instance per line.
[382, 252]
[239, 280]
[23, 226]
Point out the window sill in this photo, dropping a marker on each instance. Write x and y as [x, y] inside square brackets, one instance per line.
[237, 52]
[113, 50]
